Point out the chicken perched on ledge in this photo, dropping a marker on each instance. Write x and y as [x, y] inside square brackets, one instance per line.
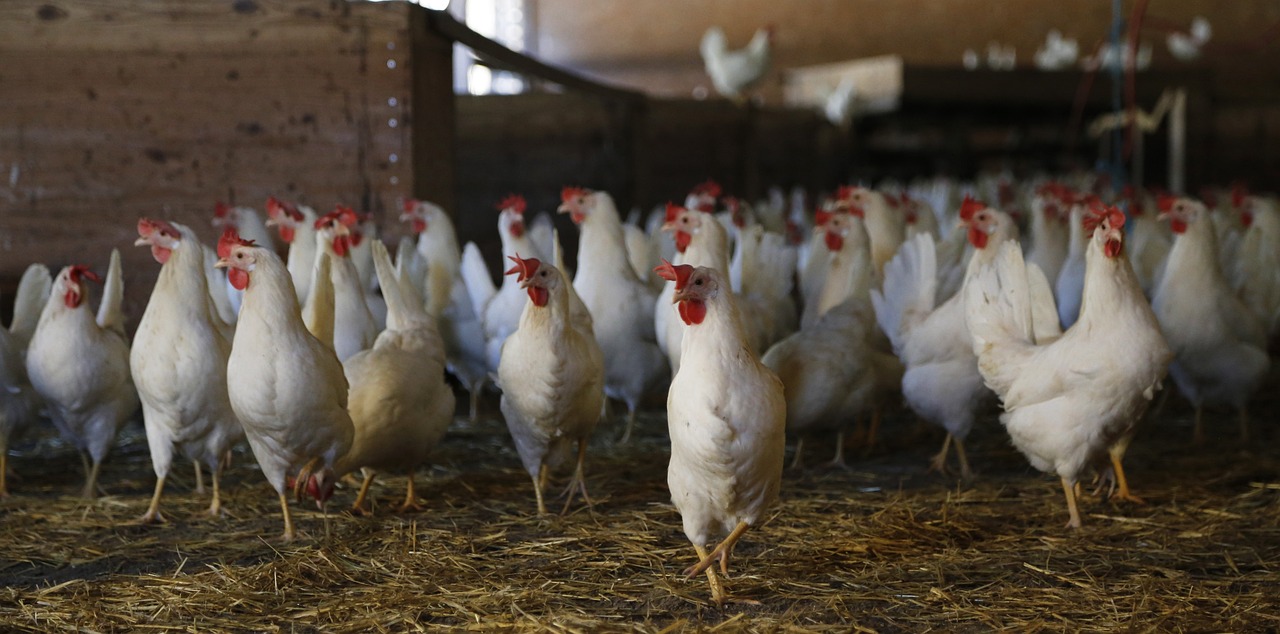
[179, 364]
[733, 71]
[552, 376]
[727, 420]
[1220, 345]
[286, 385]
[79, 365]
[1070, 401]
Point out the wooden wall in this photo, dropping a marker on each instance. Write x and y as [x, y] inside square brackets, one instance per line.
[111, 110]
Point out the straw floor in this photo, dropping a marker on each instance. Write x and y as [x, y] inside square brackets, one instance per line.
[883, 546]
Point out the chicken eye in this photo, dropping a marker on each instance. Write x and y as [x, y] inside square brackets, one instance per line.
[542, 273]
[697, 282]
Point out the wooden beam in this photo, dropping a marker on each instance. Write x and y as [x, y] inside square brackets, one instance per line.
[434, 108]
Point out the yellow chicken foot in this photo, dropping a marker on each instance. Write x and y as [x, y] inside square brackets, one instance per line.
[631, 423]
[717, 589]
[795, 459]
[215, 505]
[838, 460]
[939, 461]
[153, 515]
[539, 483]
[579, 481]
[199, 478]
[91, 482]
[410, 498]
[966, 474]
[357, 507]
[289, 534]
[1069, 488]
[1118, 469]
[721, 552]
[475, 404]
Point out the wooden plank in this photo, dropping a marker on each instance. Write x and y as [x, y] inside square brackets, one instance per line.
[434, 137]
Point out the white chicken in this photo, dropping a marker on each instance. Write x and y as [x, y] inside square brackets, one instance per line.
[621, 306]
[733, 71]
[1220, 347]
[399, 402]
[179, 364]
[297, 227]
[941, 383]
[248, 223]
[447, 298]
[552, 375]
[1073, 400]
[1255, 273]
[700, 241]
[286, 386]
[830, 370]
[19, 403]
[499, 308]
[726, 416]
[79, 365]
[885, 227]
[1069, 285]
[354, 327]
[1049, 237]
[1149, 240]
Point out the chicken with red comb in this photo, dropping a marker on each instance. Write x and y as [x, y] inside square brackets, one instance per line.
[79, 364]
[179, 363]
[727, 422]
[700, 241]
[552, 378]
[296, 226]
[286, 385]
[1220, 346]
[355, 327]
[1072, 399]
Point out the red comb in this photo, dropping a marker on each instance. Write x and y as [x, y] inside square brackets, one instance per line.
[347, 216]
[678, 273]
[1238, 194]
[514, 202]
[710, 188]
[79, 270]
[1099, 212]
[277, 207]
[1165, 202]
[229, 240]
[845, 192]
[147, 226]
[221, 209]
[408, 204]
[330, 218]
[821, 217]
[524, 268]
[569, 193]
[673, 212]
[969, 207]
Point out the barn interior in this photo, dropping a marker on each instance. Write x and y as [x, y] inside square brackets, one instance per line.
[114, 110]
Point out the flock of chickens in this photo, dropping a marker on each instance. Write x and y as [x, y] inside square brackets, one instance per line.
[334, 359]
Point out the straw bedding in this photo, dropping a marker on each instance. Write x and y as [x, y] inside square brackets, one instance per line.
[883, 546]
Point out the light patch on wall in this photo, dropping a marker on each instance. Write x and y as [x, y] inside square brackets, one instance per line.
[436, 5]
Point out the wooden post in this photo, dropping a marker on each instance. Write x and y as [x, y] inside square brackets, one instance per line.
[434, 111]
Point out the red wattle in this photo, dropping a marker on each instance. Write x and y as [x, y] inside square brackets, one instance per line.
[977, 237]
[577, 217]
[161, 254]
[1113, 247]
[835, 241]
[693, 311]
[419, 225]
[238, 278]
[341, 244]
[1178, 225]
[287, 233]
[539, 296]
[682, 241]
[71, 298]
[517, 229]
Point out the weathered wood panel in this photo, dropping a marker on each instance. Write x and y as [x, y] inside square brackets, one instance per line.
[112, 110]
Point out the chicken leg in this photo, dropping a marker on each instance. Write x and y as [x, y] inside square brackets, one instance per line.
[538, 484]
[838, 460]
[289, 533]
[200, 478]
[721, 552]
[939, 461]
[579, 481]
[631, 423]
[717, 589]
[795, 459]
[474, 393]
[153, 516]
[1069, 488]
[410, 498]
[215, 505]
[357, 507]
[91, 481]
[1121, 481]
[873, 432]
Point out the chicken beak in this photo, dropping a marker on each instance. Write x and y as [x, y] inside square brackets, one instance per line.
[222, 263]
[679, 295]
[141, 242]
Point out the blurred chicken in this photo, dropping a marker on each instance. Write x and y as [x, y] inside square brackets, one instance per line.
[297, 227]
[248, 223]
[1256, 269]
[399, 402]
[727, 421]
[79, 365]
[286, 385]
[447, 298]
[1050, 237]
[885, 228]
[1071, 401]
[734, 71]
[1148, 243]
[179, 364]
[941, 383]
[831, 372]
[19, 403]
[1219, 345]
[700, 241]
[354, 328]
[552, 376]
[621, 306]
[1068, 288]
[767, 268]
